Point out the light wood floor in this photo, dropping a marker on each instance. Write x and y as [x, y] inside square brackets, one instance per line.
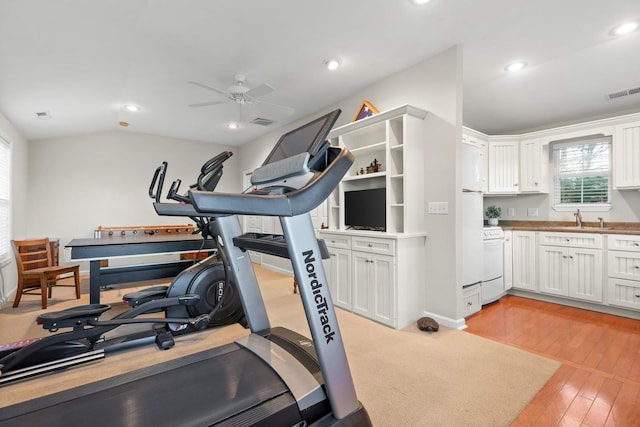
[598, 383]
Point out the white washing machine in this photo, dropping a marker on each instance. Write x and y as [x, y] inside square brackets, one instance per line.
[492, 288]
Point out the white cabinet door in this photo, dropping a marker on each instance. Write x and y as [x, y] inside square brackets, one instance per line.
[374, 286]
[554, 274]
[383, 296]
[626, 156]
[339, 272]
[585, 274]
[361, 283]
[532, 168]
[503, 167]
[524, 260]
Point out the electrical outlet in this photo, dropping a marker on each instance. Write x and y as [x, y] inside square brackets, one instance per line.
[511, 212]
[438, 208]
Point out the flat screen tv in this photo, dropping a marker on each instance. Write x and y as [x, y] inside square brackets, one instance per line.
[365, 209]
[307, 138]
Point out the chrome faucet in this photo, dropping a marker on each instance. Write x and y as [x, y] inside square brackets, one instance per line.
[601, 221]
[578, 216]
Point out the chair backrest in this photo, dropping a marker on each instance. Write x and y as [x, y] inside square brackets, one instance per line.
[31, 254]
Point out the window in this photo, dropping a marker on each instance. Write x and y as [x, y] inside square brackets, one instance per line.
[582, 177]
[5, 191]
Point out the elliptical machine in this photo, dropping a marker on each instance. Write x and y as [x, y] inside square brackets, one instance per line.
[201, 296]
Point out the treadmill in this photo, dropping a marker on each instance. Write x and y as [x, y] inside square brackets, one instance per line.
[272, 377]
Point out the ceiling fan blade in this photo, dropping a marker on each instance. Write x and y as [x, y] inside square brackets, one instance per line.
[261, 90]
[284, 110]
[221, 92]
[205, 104]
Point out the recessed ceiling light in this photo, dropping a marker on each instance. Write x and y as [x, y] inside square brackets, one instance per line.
[131, 107]
[233, 125]
[419, 2]
[626, 28]
[332, 64]
[516, 66]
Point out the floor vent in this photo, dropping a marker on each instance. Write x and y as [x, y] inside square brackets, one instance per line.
[622, 93]
[262, 122]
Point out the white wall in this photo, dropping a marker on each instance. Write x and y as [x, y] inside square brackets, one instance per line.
[79, 183]
[434, 85]
[19, 185]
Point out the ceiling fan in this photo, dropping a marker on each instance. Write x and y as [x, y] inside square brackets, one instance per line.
[242, 95]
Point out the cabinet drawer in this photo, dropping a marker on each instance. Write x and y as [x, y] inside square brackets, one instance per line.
[574, 240]
[374, 245]
[335, 240]
[623, 242]
[624, 293]
[625, 265]
[471, 299]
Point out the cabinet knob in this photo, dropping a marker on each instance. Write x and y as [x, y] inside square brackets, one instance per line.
[469, 304]
[636, 244]
[570, 256]
[369, 245]
[535, 183]
[567, 240]
[636, 266]
[564, 256]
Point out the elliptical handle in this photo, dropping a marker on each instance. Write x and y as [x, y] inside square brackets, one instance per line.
[158, 177]
[211, 171]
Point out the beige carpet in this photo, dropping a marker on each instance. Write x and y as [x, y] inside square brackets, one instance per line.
[403, 378]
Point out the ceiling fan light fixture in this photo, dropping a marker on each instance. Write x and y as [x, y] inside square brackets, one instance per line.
[332, 64]
[515, 66]
[232, 125]
[625, 28]
[132, 108]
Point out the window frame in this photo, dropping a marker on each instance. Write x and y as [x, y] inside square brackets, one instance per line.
[5, 202]
[585, 207]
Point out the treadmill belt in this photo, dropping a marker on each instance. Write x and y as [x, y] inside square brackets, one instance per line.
[198, 390]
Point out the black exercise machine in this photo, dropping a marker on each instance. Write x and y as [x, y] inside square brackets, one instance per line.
[200, 296]
[271, 377]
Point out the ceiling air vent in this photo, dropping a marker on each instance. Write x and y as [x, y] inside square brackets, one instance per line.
[43, 115]
[622, 93]
[262, 122]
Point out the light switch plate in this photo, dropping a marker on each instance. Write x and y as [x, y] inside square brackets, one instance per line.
[438, 208]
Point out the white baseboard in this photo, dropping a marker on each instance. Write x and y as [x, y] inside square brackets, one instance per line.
[447, 321]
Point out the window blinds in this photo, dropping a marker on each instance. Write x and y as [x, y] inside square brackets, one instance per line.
[582, 172]
[5, 191]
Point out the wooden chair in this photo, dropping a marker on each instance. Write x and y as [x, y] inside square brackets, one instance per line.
[36, 271]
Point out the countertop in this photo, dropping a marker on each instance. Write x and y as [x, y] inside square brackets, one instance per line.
[570, 227]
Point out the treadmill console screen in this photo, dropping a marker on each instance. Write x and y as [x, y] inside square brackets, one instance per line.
[307, 138]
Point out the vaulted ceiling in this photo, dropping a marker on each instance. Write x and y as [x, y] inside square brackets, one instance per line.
[68, 66]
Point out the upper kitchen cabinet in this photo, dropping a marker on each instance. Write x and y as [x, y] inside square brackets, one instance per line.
[626, 156]
[534, 166]
[503, 166]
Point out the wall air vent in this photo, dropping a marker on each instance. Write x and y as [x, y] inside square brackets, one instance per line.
[262, 122]
[622, 93]
[43, 115]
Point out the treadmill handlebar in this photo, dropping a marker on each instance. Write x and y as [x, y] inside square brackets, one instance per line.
[276, 202]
